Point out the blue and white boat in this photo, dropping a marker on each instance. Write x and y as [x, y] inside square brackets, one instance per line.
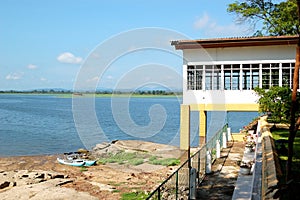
[75, 159]
[75, 162]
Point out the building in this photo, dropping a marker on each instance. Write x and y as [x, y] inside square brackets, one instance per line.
[220, 74]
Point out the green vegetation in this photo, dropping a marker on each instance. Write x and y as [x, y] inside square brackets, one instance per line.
[287, 191]
[274, 17]
[137, 158]
[276, 102]
[283, 134]
[69, 93]
[154, 160]
[123, 157]
[139, 195]
[83, 169]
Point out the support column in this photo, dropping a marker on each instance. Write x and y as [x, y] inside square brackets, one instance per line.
[185, 130]
[202, 128]
[184, 144]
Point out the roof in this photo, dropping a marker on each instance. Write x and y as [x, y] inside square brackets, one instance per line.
[236, 42]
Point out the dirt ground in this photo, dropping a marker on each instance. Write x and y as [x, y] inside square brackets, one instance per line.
[111, 180]
[107, 181]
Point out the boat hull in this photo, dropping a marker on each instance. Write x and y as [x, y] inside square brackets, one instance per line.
[75, 163]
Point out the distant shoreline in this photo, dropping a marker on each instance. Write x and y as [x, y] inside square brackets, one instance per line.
[82, 95]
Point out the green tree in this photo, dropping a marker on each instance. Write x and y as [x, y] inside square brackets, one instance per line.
[276, 102]
[271, 17]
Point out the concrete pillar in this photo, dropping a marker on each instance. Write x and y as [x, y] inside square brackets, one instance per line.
[184, 143]
[229, 137]
[224, 140]
[218, 149]
[202, 128]
[184, 127]
[184, 130]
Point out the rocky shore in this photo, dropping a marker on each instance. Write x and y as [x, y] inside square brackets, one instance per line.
[42, 177]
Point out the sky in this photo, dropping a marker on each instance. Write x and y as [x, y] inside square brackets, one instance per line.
[51, 44]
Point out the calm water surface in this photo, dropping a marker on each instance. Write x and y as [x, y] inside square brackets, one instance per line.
[44, 124]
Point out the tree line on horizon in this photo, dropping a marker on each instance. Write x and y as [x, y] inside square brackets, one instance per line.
[53, 91]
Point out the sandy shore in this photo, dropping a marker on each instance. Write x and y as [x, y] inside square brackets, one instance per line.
[33, 177]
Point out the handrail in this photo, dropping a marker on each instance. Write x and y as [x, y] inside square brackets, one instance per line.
[208, 146]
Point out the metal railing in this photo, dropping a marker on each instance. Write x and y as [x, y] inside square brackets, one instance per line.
[177, 185]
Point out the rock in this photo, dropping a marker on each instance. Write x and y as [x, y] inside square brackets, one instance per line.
[4, 184]
[83, 151]
[58, 176]
[46, 191]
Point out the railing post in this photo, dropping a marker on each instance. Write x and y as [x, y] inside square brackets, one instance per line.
[208, 162]
[159, 193]
[224, 140]
[218, 149]
[192, 193]
[176, 185]
[229, 134]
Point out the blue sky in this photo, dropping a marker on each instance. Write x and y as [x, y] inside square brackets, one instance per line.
[45, 44]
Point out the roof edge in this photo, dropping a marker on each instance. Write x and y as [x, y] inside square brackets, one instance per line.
[235, 42]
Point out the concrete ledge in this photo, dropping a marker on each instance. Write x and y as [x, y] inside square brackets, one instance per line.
[270, 167]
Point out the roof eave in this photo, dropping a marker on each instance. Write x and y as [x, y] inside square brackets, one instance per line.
[235, 42]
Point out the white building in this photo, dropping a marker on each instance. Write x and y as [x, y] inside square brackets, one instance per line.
[220, 74]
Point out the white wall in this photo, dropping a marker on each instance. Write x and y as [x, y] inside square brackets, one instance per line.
[219, 97]
[240, 53]
[233, 56]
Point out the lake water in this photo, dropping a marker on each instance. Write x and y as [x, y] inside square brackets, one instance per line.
[44, 124]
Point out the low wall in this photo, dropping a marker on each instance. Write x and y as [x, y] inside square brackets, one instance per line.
[271, 170]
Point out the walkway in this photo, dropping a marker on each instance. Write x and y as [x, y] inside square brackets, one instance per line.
[221, 182]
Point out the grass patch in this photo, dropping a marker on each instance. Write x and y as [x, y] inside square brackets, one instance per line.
[123, 157]
[293, 189]
[137, 158]
[283, 134]
[154, 160]
[83, 169]
[134, 196]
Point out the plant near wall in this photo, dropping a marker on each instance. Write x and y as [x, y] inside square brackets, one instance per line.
[276, 102]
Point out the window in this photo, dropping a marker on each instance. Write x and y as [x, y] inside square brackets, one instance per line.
[227, 77]
[266, 76]
[212, 77]
[194, 77]
[286, 74]
[246, 81]
[274, 74]
[217, 78]
[239, 76]
[231, 77]
[255, 75]
[190, 77]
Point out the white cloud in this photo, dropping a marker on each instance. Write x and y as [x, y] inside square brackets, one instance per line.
[212, 29]
[201, 22]
[14, 76]
[31, 66]
[68, 57]
[43, 79]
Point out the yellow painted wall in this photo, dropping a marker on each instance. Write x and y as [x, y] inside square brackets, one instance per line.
[224, 107]
[184, 127]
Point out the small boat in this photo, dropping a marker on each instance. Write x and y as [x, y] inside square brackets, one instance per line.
[76, 162]
[76, 159]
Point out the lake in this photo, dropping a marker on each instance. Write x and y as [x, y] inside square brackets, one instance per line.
[49, 124]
